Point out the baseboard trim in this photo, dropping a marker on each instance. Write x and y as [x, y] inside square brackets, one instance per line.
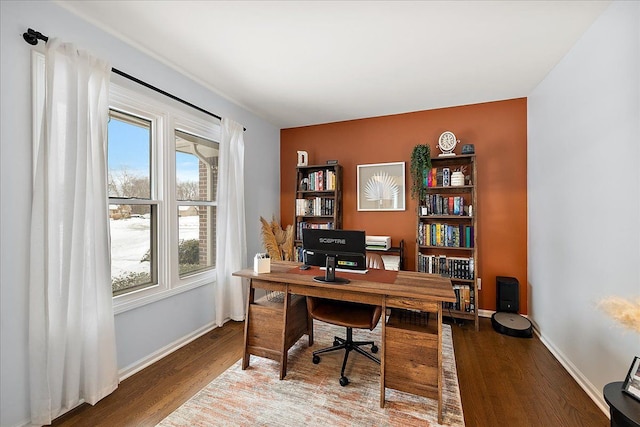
[485, 313]
[136, 367]
[582, 381]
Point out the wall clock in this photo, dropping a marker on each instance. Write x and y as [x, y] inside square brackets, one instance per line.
[447, 142]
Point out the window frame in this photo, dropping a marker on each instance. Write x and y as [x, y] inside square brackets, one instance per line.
[185, 125]
[166, 117]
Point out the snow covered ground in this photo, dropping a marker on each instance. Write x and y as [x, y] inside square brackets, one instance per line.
[131, 239]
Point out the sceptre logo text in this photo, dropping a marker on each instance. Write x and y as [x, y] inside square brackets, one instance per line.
[328, 240]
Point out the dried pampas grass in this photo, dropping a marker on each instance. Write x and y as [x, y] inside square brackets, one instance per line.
[625, 312]
[277, 242]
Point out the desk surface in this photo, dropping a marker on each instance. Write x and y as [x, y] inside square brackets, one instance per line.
[409, 284]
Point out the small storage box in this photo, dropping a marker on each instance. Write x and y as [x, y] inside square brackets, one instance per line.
[261, 264]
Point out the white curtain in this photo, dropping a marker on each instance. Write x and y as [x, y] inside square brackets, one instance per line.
[231, 243]
[72, 355]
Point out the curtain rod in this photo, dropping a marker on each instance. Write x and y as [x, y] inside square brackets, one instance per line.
[32, 37]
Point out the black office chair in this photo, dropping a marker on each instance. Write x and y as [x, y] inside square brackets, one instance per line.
[350, 315]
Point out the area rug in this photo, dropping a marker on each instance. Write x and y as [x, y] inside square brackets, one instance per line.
[310, 395]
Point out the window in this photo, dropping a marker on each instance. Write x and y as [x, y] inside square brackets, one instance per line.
[133, 211]
[196, 180]
[162, 177]
[162, 162]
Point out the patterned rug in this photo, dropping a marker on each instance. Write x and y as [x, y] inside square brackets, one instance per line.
[310, 395]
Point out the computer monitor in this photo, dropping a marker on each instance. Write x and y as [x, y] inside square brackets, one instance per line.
[341, 250]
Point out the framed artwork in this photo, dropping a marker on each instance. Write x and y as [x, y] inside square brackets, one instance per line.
[631, 384]
[381, 187]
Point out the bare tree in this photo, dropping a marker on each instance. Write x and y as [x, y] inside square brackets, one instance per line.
[187, 190]
[124, 183]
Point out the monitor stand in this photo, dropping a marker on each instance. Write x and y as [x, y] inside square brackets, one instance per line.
[330, 273]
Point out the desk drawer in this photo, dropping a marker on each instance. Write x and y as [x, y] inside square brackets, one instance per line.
[412, 303]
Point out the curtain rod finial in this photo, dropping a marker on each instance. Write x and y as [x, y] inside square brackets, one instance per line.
[29, 38]
[32, 37]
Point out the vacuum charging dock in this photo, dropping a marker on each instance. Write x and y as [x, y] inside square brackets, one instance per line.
[506, 319]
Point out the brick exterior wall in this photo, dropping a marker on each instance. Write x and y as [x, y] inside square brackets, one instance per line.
[203, 187]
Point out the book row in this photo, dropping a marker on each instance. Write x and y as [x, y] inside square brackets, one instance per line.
[315, 206]
[454, 267]
[465, 299]
[303, 224]
[436, 204]
[440, 177]
[445, 235]
[322, 180]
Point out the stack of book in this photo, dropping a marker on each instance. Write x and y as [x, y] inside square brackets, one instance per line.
[322, 180]
[316, 206]
[454, 267]
[465, 300]
[445, 235]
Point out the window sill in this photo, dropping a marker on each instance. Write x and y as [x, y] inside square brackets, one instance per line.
[132, 303]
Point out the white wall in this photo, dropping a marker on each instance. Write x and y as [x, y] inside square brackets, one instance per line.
[584, 198]
[146, 330]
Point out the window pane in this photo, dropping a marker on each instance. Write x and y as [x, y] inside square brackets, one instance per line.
[196, 167]
[132, 247]
[129, 156]
[196, 238]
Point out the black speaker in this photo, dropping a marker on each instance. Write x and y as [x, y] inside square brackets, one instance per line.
[507, 294]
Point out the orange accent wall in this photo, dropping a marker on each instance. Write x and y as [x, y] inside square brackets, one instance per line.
[498, 131]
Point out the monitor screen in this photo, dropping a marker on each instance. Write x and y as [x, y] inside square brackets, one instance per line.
[335, 250]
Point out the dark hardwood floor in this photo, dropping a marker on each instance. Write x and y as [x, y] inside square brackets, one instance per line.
[504, 381]
[507, 381]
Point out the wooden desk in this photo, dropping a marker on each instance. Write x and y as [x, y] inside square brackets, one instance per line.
[411, 354]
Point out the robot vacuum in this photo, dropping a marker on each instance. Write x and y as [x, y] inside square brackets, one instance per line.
[512, 324]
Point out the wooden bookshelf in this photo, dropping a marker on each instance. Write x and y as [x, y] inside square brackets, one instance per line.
[318, 201]
[447, 233]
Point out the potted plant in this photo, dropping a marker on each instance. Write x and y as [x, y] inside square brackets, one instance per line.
[420, 165]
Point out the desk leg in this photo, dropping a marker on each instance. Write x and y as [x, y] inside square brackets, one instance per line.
[283, 350]
[383, 351]
[250, 300]
[309, 328]
[440, 372]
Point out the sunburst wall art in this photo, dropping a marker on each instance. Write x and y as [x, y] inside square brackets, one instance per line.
[381, 187]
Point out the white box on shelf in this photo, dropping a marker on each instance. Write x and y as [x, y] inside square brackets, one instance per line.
[380, 243]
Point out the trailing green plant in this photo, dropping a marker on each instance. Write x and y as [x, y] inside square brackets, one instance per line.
[420, 165]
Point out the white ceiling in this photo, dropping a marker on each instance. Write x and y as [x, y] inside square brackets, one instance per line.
[299, 63]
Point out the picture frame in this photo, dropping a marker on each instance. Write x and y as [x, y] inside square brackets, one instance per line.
[381, 187]
[631, 384]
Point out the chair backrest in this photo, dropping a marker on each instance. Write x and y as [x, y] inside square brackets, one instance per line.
[316, 306]
[375, 261]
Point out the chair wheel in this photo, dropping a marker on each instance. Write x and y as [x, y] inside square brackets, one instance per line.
[316, 359]
[374, 348]
[344, 381]
[336, 342]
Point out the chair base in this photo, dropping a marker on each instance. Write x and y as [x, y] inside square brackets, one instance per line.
[348, 345]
